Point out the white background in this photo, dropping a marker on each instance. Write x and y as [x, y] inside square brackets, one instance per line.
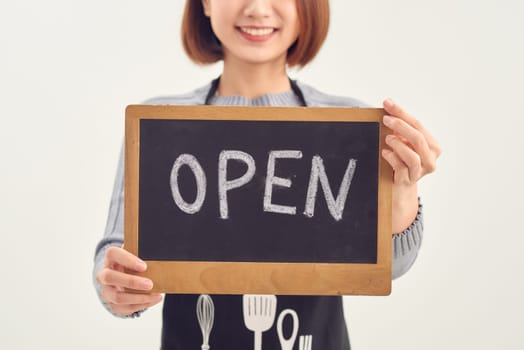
[69, 68]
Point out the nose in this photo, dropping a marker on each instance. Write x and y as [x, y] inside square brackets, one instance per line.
[257, 8]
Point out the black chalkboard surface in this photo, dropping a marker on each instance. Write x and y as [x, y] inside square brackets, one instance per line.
[255, 192]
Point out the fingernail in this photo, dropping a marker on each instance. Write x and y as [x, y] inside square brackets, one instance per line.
[146, 284]
[387, 120]
[389, 102]
[390, 138]
[141, 266]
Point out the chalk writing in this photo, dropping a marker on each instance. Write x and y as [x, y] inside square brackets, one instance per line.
[317, 175]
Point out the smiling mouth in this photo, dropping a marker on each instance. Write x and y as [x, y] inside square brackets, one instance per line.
[257, 31]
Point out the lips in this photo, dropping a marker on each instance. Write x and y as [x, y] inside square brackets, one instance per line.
[257, 33]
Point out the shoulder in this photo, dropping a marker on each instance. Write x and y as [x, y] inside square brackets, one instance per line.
[316, 98]
[195, 97]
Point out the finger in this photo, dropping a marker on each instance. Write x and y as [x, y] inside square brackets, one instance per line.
[407, 155]
[413, 137]
[119, 279]
[126, 310]
[117, 297]
[119, 256]
[396, 110]
[400, 170]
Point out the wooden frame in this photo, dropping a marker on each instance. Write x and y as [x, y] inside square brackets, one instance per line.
[260, 278]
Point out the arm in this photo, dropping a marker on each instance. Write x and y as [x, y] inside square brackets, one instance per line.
[111, 261]
[412, 154]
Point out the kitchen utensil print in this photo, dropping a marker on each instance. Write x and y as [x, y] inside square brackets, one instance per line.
[259, 315]
[287, 344]
[205, 310]
[305, 342]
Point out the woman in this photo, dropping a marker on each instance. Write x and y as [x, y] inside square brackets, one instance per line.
[257, 40]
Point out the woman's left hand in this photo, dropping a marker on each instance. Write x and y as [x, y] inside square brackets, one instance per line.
[412, 153]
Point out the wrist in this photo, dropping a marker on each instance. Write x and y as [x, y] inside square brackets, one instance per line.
[404, 207]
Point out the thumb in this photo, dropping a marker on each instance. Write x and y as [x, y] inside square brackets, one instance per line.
[121, 257]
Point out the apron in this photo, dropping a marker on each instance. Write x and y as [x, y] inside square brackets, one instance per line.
[295, 322]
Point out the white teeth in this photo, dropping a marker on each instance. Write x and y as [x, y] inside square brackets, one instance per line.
[257, 31]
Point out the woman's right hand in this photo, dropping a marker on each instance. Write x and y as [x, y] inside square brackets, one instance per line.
[117, 285]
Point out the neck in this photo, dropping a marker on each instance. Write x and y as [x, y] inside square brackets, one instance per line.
[252, 80]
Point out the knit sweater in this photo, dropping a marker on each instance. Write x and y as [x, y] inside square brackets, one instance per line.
[320, 317]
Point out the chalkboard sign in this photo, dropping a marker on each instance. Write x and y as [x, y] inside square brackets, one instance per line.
[241, 200]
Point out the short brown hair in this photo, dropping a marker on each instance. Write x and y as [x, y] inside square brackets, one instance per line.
[203, 47]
